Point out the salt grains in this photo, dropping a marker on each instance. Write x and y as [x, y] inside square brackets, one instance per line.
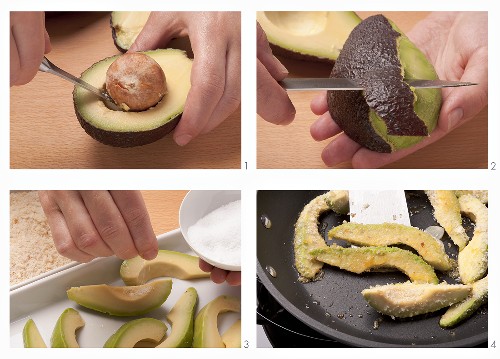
[217, 236]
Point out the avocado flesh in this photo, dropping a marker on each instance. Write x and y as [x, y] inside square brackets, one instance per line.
[206, 332]
[386, 234]
[405, 300]
[481, 195]
[31, 336]
[307, 35]
[388, 115]
[232, 337]
[125, 26]
[129, 129]
[473, 259]
[122, 301]
[458, 312]
[173, 264]
[64, 334]
[447, 214]
[359, 260]
[135, 331]
[181, 318]
[306, 235]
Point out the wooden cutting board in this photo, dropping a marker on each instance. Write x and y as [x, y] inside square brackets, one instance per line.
[45, 133]
[293, 147]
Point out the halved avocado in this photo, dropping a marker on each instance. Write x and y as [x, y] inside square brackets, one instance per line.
[122, 301]
[125, 26]
[362, 259]
[307, 35]
[386, 234]
[31, 336]
[181, 318]
[135, 331]
[232, 337]
[64, 334]
[389, 114]
[206, 332]
[129, 129]
[404, 300]
[173, 264]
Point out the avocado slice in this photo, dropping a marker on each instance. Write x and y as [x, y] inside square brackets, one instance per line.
[125, 26]
[447, 213]
[404, 300]
[389, 114]
[386, 234]
[129, 129]
[135, 331]
[122, 301]
[173, 264]
[307, 236]
[362, 259]
[31, 336]
[232, 337]
[64, 334]
[473, 259]
[481, 195]
[308, 35]
[460, 311]
[181, 319]
[206, 332]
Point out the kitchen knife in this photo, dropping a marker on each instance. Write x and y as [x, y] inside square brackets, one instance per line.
[315, 84]
[372, 207]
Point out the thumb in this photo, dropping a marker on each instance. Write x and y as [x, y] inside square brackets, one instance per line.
[463, 103]
[160, 28]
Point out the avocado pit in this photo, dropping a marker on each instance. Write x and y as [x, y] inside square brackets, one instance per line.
[135, 82]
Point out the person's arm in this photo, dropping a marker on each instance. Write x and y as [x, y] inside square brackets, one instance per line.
[29, 42]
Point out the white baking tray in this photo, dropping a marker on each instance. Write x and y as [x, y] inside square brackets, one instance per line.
[45, 299]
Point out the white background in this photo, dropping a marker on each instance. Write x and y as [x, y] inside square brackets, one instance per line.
[251, 179]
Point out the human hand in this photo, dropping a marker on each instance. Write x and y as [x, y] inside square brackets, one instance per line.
[90, 224]
[29, 41]
[220, 275]
[273, 103]
[216, 74]
[456, 44]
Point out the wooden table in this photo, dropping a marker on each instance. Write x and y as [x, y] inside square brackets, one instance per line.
[45, 133]
[163, 208]
[293, 147]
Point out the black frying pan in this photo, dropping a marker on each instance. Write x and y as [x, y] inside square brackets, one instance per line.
[334, 305]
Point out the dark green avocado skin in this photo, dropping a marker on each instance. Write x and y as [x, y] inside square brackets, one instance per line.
[370, 55]
[113, 34]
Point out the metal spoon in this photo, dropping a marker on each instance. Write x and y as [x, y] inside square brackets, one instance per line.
[47, 66]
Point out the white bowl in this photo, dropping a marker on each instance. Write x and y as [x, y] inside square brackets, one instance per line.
[196, 205]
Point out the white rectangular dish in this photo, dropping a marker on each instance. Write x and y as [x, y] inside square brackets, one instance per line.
[45, 299]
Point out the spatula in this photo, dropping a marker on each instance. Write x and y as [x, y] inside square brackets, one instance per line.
[372, 207]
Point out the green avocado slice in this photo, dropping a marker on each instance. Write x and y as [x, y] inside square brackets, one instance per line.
[122, 301]
[388, 115]
[458, 312]
[135, 331]
[473, 259]
[64, 333]
[359, 260]
[307, 35]
[386, 234]
[173, 264]
[404, 300]
[31, 336]
[181, 318]
[125, 26]
[306, 235]
[129, 129]
[232, 337]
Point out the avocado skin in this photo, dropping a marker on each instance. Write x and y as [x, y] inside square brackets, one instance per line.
[127, 139]
[370, 55]
[282, 52]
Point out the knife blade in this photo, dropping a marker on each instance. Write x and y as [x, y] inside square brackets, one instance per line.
[372, 207]
[315, 84]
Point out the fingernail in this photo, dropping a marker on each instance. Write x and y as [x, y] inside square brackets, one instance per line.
[281, 67]
[150, 255]
[455, 117]
[183, 140]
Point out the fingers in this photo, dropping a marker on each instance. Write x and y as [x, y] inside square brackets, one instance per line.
[266, 57]
[218, 275]
[340, 150]
[48, 45]
[160, 28]
[319, 104]
[324, 127]
[27, 45]
[273, 103]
